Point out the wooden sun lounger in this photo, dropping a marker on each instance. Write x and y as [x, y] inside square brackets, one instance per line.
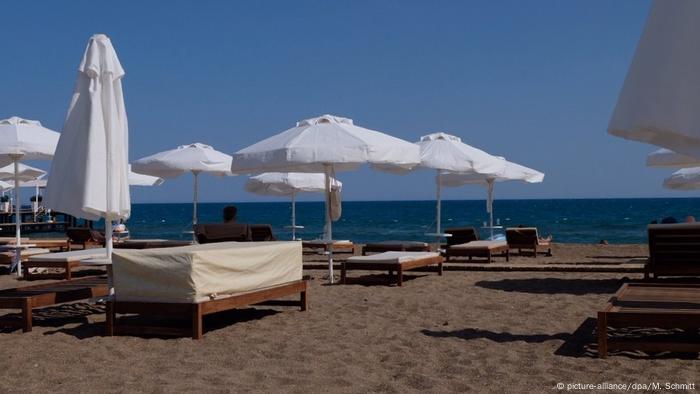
[52, 244]
[194, 311]
[338, 246]
[65, 260]
[527, 238]
[392, 262]
[395, 246]
[8, 257]
[479, 249]
[651, 305]
[30, 297]
[674, 250]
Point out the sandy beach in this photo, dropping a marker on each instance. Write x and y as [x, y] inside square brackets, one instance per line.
[464, 331]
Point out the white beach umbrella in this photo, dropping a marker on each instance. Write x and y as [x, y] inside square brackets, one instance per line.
[22, 139]
[325, 144]
[684, 179]
[670, 159]
[194, 158]
[660, 98]
[289, 184]
[511, 172]
[444, 152]
[89, 174]
[136, 179]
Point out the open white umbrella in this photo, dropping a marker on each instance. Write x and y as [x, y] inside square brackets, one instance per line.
[89, 174]
[511, 172]
[289, 184]
[28, 177]
[660, 98]
[194, 158]
[325, 144]
[445, 152]
[684, 179]
[136, 179]
[22, 139]
[670, 159]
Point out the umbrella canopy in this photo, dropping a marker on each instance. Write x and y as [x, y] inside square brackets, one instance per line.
[136, 179]
[670, 159]
[446, 152]
[89, 174]
[24, 173]
[684, 179]
[34, 183]
[6, 186]
[326, 144]
[511, 172]
[289, 184]
[22, 139]
[659, 99]
[194, 158]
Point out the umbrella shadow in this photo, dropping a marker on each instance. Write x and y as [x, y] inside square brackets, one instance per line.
[554, 285]
[370, 280]
[57, 316]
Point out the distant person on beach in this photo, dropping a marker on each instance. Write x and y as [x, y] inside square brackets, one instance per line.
[669, 220]
[690, 219]
[230, 212]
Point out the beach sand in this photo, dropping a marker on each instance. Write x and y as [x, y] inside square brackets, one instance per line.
[465, 331]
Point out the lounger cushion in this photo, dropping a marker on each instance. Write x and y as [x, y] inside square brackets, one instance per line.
[199, 273]
[480, 245]
[392, 257]
[73, 255]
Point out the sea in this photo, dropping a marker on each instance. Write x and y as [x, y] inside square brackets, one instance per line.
[616, 221]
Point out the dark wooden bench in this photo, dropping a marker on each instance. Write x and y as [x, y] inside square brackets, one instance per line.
[30, 297]
[193, 311]
[674, 250]
[527, 238]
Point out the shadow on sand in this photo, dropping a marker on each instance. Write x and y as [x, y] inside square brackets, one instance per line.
[555, 285]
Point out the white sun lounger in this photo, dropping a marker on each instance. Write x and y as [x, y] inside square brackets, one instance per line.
[65, 260]
[391, 261]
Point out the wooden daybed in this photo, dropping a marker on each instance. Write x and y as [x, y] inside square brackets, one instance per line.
[392, 262]
[486, 249]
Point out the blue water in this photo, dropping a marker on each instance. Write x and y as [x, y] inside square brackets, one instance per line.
[579, 221]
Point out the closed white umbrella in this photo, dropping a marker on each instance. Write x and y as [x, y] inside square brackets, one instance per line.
[136, 179]
[660, 98]
[511, 172]
[670, 159]
[22, 139]
[684, 179]
[289, 184]
[89, 174]
[325, 144]
[194, 158]
[445, 152]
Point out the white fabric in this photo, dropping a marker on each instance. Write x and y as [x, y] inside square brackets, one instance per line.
[34, 183]
[287, 183]
[26, 174]
[6, 186]
[481, 244]
[441, 151]
[27, 139]
[196, 157]
[136, 179]
[392, 257]
[670, 159]
[89, 174]
[324, 141]
[73, 255]
[660, 98]
[684, 179]
[202, 272]
[510, 172]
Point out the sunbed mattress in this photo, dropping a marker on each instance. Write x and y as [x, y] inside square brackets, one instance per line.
[480, 245]
[73, 255]
[392, 257]
[199, 273]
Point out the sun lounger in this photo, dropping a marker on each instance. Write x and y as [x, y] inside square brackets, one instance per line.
[222, 232]
[392, 262]
[7, 257]
[479, 249]
[461, 235]
[30, 297]
[47, 243]
[340, 246]
[651, 305]
[395, 246]
[527, 238]
[8, 240]
[84, 237]
[197, 280]
[64, 260]
[674, 250]
[261, 232]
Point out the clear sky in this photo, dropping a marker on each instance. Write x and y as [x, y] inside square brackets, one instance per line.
[534, 81]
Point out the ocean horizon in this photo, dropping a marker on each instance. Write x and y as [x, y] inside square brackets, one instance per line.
[575, 220]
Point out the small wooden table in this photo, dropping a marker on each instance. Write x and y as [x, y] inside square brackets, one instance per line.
[391, 261]
[651, 305]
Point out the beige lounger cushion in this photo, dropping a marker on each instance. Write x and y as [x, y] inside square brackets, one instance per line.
[392, 257]
[73, 255]
[199, 273]
[480, 245]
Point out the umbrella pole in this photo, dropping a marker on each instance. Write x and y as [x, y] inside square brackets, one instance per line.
[438, 210]
[329, 229]
[294, 217]
[194, 204]
[489, 205]
[18, 223]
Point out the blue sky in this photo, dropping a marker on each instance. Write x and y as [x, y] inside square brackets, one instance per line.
[533, 81]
